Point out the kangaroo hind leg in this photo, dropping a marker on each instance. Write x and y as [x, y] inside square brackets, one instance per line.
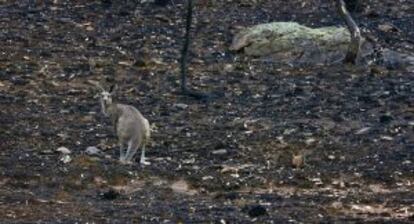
[122, 151]
[132, 149]
[143, 159]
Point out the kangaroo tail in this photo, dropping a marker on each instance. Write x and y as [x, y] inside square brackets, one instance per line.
[147, 128]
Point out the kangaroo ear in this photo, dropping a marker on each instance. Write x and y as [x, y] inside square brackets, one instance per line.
[113, 88]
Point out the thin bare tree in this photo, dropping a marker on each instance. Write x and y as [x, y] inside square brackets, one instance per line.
[355, 44]
[184, 55]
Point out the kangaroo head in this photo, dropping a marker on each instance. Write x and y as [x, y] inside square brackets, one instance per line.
[105, 96]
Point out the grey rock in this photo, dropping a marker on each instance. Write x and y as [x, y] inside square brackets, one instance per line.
[291, 42]
[93, 151]
[181, 106]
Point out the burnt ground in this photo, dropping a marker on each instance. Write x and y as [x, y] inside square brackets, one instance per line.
[227, 160]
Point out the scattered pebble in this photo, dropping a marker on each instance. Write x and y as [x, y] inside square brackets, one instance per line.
[363, 131]
[93, 151]
[207, 178]
[310, 141]
[66, 158]
[228, 68]
[317, 181]
[181, 106]
[219, 152]
[289, 131]
[386, 138]
[63, 150]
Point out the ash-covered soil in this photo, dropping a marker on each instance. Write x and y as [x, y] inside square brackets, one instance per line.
[226, 160]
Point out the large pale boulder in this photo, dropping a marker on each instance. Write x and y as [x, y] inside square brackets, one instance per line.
[292, 42]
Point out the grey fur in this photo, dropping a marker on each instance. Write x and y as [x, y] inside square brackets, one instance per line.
[131, 127]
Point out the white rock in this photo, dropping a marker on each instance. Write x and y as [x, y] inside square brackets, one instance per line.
[219, 152]
[386, 138]
[207, 178]
[63, 150]
[310, 141]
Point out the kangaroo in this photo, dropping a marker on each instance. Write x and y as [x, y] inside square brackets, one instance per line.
[131, 127]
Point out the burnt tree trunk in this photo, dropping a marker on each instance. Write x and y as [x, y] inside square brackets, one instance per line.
[184, 55]
[355, 44]
[186, 44]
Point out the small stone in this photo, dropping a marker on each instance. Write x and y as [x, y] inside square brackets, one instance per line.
[219, 152]
[387, 138]
[289, 131]
[92, 151]
[310, 141]
[362, 131]
[63, 150]
[228, 68]
[181, 106]
[207, 178]
[317, 181]
[66, 158]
